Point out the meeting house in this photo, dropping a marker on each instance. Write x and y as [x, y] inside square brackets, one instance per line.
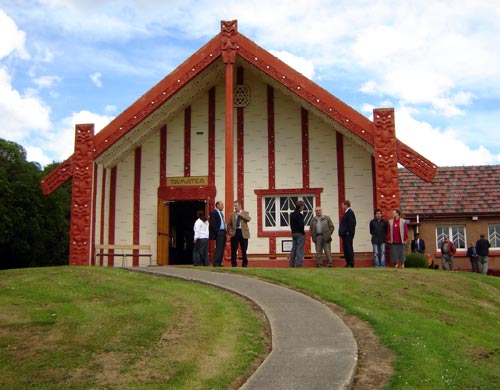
[231, 122]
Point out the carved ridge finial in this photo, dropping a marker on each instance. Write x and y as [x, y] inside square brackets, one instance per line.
[229, 44]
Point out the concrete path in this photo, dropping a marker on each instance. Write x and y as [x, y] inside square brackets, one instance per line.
[312, 348]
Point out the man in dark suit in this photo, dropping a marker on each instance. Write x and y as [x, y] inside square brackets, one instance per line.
[347, 228]
[417, 244]
[217, 232]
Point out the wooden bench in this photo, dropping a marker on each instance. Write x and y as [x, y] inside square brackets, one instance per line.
[123, 251]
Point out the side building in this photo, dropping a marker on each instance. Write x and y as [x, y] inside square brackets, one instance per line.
[461, 202]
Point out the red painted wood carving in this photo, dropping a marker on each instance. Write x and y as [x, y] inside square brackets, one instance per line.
[386, 161]
[57, 177]
[81, 198]
[229, 45]
[415, 163]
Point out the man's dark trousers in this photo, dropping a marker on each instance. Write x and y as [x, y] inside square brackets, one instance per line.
[220, 244]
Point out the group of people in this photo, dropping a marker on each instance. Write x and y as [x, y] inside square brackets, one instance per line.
[479, 255]
[321, 229]
[215, 228]
[393, 232]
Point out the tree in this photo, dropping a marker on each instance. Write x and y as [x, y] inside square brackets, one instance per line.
[34, 228]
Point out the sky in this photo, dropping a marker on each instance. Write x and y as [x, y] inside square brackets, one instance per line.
[437, 62]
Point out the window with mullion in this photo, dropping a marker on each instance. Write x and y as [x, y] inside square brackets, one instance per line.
[278, 210]
[494, 235]
[454, 233]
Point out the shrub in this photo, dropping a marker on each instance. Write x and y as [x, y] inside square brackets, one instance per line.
[416, 260]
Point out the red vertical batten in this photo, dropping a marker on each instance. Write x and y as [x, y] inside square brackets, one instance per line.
[304, 115]
[270, 138]
[81, 196]
[103, 208]
[163, 155]
[187, 141]
[340, 175]
[240, 142]
[112, 214]
[211, 153]
[374, 185]
[211, 138]
[304, 119]
[137, 203]
[271, 173]
[94, 214]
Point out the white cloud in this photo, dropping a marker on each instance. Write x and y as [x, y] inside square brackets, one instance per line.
[301, 65]
[15, 124]
[442, 147]
[13, 39]
[60, 144]
[47, 81]
[96, 79]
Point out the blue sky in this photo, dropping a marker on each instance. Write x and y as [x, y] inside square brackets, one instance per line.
[437, 63]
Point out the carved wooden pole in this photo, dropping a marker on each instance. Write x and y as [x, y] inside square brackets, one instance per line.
[81, 197]
[386, 161]
[229, 32]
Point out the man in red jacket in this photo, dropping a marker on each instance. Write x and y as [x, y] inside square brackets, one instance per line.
[448, 250]
[397, 235]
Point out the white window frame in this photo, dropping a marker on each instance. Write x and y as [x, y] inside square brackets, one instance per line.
[456, 233]
[494, 235]
[276, 210]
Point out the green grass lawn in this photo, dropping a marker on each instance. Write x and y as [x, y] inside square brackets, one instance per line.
[95, 328]
[443, 326]
[104, 328]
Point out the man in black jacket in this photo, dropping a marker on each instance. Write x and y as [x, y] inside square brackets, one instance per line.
[347, 229]
[298, 235]
[217, 232]
[483, 253]
[417, 244]
[378, 230]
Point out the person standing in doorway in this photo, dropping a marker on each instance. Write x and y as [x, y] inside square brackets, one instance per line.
[483, 253]
[347, 229]
[217, 232]
[200, 250]
[397, 237]
[378, 230]
[448, 250]
[321, 229]
[417, 244]
[237, 228]
[298, 235]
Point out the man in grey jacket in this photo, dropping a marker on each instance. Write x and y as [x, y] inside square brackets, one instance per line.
[321, 229]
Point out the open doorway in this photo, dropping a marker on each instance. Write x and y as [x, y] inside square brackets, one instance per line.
[183, 215]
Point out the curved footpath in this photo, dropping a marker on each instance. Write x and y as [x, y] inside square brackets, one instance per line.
[312, 348]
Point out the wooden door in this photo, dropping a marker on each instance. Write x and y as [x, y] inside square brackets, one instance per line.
[163, 241]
